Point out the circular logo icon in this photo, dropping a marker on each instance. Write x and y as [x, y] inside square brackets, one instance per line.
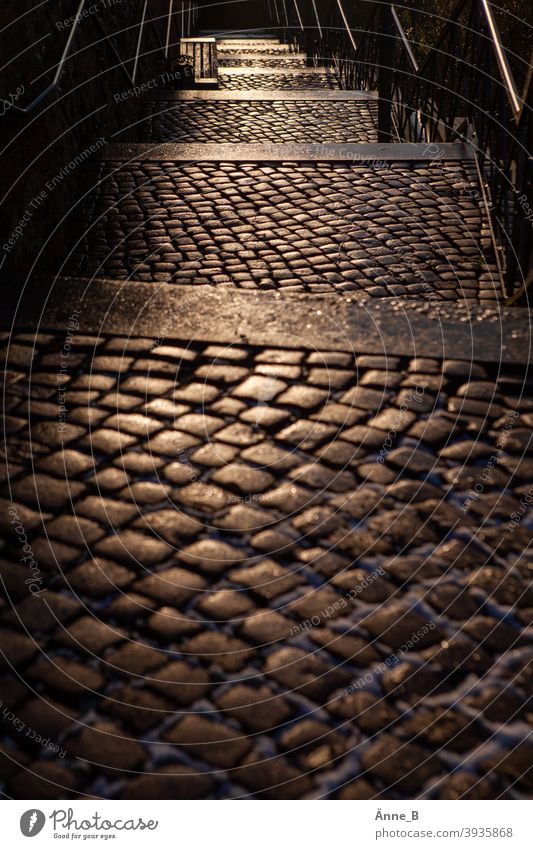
[32, 822]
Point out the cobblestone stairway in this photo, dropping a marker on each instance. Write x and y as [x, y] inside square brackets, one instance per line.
[300, 198]
[288, 568]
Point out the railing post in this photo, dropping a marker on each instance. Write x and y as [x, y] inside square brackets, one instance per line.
[169, 27]
[139, 41]
[520, 258]
[385, 73]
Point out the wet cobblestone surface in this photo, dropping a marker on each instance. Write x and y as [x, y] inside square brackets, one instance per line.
[236, 60]
[258, 122]
[409, 229]
[277, 572]
[263, 79]
[254, 47]
[232, 595]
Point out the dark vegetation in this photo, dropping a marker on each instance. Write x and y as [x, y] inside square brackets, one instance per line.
[425, 20]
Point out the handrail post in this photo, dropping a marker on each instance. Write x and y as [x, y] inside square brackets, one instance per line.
[503, 62]
[385, 73]
[169, 26]
[139, 41]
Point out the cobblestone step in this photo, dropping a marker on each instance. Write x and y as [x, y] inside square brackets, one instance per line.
[380, 227]
[227, 61]
[384, 327]
[259, 47]
[264, 77]
[263, 545]
[261, 121]
[267, 94]
[250, 43]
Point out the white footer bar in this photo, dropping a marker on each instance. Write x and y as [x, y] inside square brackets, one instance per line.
[264, 824]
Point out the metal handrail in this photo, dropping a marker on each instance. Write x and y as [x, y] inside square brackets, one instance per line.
[169, 26]
[26, 110]
[494, 115]
[139, 41]
[78, 17]
[405, 41]
[515, 100]
[464, 89]
[345, 20]
[505, 69]
[507, 77]
[298, 14]
[317, 16]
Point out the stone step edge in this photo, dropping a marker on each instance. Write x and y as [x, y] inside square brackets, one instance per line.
[230, 316]
[246, 42]
[314, 94]
[263, 69]
[268, 152]
[258, 39]
[253, 45]
[224, 56]
[241, 35]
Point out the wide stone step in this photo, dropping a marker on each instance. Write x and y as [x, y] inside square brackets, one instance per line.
[237, 535]
[238, 41]
[257, 47]
[255, 120]
[388, 326]
[291, 78]
[260, 60]
[367, 219]
[269, 94]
